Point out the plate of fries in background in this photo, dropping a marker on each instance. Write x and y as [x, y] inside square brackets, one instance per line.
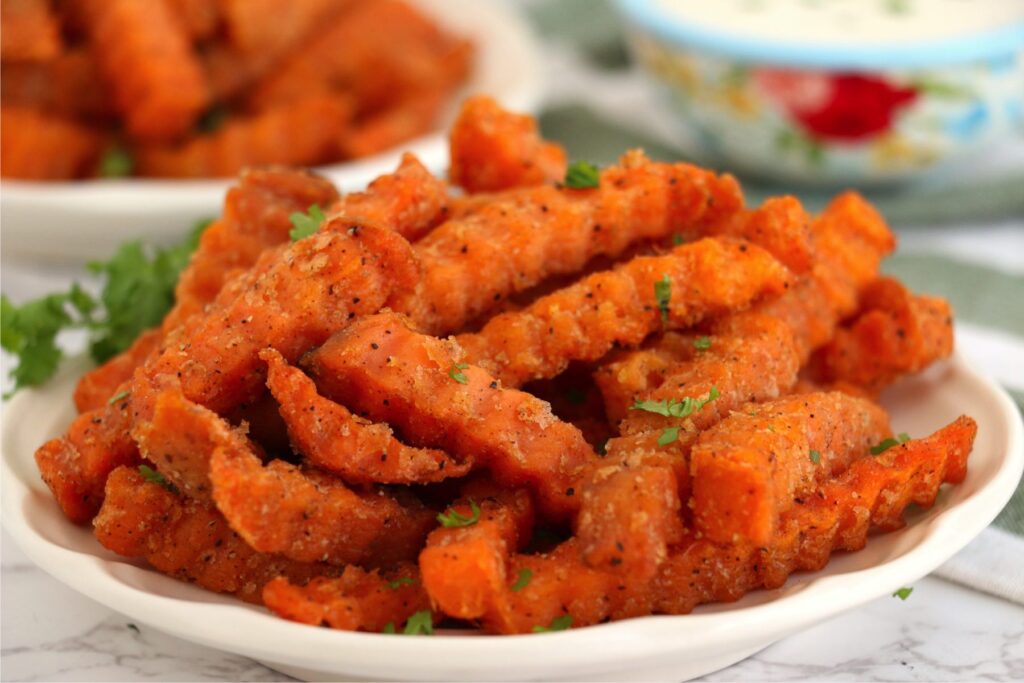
[564, 423]
[90, 162]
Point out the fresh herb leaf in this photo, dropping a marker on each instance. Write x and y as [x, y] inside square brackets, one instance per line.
[677, 239]
[903, 593]
[675, 408]
[455, 372]
[213, 119]
[702, 343]
[402, 581]
[582, 175]
[886, 444]
[454, 520]
[305, 224]
[30, 332]
[663, 294]
[118, 397]
[815, 457]
[557, 624]
[388, 627]
[152, 476]
[524, 579]
[670, 435]
[116, 162]
[420, 624]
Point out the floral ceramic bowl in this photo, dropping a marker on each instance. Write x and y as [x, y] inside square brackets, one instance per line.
[836, 91]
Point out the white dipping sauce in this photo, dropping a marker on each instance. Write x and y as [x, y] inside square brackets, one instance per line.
[847, 23]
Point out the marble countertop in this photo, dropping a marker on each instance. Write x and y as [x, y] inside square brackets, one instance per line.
[943, 632]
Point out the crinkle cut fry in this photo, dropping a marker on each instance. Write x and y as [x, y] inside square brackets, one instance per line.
[872, 492]
[463, 568]
[894, 334]
[472, 263]
[303, 132]
[28, 31]
[145, 55]
[311, 516]
[621, 307]
[35, 145]
[188, 539]
[419, 384]
[333, 439]
[358, 600]
[492, 149]
[256, 217]
[757, 463]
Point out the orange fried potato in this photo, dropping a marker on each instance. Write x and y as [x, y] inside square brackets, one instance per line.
[67, 86]
[780, 226]
[187, 539]
[357, 600]
[145, 56]
[760, 461]
[28, 31]
[201, 18]
[492, 149]
[872, 492]
[272, 27]
[471, 264]
[621, 307]
[420, 385]
[413, 116]
[38, 146]
[311, 516]
[304, 132]
[98, 385]
[896, 333]
[355, 449]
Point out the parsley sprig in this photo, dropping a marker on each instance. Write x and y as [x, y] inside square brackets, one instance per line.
[886, 444]
[401, 581]
[702, 343]
[137, 291]
[903, 593]
[305, 224]
[453, 519]
[154, 477]
[523, 580]
[663, 295]
[582, 175]
[455, 372]
[676, 408]
[557, 624]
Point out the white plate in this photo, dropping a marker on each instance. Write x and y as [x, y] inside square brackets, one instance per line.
[649, 648]
[89, 218]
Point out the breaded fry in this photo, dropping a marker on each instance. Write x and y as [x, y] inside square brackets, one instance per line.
[492, 149]
[357, 600]
[66, 86]
[894, 334]
[760, 461]
[408, 118]
[144, 55]
[622, 307]
[357, 450]
[201, 18]
[98, 385]
[187, 539]
[28, 31]
[780, 226]
[38, 146]
[304, 132]
[419, 384]
[273, 27]
[470, 265]
[872, 492]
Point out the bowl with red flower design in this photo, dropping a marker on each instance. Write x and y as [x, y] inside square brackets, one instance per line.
[835, 91]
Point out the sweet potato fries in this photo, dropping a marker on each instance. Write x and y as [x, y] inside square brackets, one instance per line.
[393, 411]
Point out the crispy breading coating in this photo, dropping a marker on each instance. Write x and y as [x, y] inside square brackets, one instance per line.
[357, 450]
[472, 263]
[420, 385]
[145, 56]
[622, 307]
[757, 463]
[414, 115]
[66, 86]
[358, 600]
[187, 539]
[273, 27]
[492, 149]
[201, 18]
[35, 145]
[28, 31]
[98, 385]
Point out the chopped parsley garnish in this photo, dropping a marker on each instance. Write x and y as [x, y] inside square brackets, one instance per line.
[116, 162]
[677, 239]
[388, 627]
[420, 624]
[305, 224]
[670, 435]
[138, 290]
[815, 457]
[454, 520]
[662, 295]
[455, 372]
[903, 593]
[403, 581]
[152, 476]
[702, 343]
[674, 408]
[582, 175]
[524, 579]
[557, 624]
[886, 444]
[118, 397]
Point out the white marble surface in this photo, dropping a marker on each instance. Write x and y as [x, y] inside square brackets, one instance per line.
[943, 632]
